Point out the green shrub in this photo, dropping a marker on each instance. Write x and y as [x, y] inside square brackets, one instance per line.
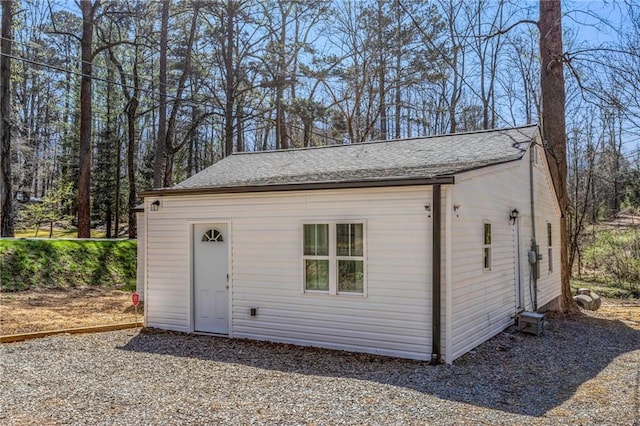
[26, 264]
[616, 253]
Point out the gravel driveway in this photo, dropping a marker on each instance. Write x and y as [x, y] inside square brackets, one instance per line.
[581, 371]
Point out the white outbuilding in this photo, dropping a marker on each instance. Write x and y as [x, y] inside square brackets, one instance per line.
[419, 248]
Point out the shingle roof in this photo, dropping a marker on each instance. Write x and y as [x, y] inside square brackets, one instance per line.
[427, 157]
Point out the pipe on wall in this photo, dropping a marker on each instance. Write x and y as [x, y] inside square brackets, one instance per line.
[436, 356]
[533, 281]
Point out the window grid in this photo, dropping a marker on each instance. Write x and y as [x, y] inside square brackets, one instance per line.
[350, 261]
[212, 235]
[340, 267]
[316, 257]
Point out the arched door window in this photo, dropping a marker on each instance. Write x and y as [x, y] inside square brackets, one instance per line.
[212, 235]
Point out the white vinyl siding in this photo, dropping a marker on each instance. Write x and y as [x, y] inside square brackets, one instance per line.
[484, 304]
[140, 255]
[546, 208]
[266, 232]
[550, 247]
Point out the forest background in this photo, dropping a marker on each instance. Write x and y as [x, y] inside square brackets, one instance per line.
[123, 96]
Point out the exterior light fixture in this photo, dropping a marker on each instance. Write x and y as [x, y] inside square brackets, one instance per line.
[514, 215]
[155, 206]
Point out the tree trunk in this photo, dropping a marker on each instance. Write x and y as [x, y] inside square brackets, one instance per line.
[229, 80]
[116, 206]
[398, 82]
[240, 128]
[553, 126]
[84, 176]
[382, 71]
[161, 143]
[191, 147]
[131, 112]
[456, 84]
[131, 157]
[282, 141]
[6, 226]
[170, 148]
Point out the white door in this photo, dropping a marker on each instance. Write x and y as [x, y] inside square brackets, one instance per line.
[210, 278]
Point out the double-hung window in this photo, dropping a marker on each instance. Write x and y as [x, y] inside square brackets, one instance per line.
[334, 257]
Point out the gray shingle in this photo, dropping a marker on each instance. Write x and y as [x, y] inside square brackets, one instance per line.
[429, 157]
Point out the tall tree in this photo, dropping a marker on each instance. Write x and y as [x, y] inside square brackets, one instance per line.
[170, 148]
[131, 93]
[161, 144]
[487, 51]
[230, 76]
[457, 44]
[554, 132]
[84, 175]
[5, 122]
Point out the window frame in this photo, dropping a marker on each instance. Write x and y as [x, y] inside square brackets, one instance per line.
[486, 246]
[334, 258]
[306, 257]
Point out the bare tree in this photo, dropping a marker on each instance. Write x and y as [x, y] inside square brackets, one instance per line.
[457, 43]
[6, 226]
[553, 126]
[171, 149]
[131, 93]
[84, 175]
[487, 50]
[581, 156]
[161, 144]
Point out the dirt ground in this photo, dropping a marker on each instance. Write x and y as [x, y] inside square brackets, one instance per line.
[46, 309]
[627, 311]
[43, 310]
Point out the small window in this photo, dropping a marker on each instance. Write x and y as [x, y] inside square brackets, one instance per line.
[486, 251]
[549, 247]
[212, 235]
[334, 258]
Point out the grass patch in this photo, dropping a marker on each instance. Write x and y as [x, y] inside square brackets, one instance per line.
[44, 263]
[43, 232]
[605, 289]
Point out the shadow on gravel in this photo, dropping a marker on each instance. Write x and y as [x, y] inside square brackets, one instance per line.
[512, 372]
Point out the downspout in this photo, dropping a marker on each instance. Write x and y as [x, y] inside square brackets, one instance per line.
[436, 276]
[145, 244]
[533, 279]
[448, 274]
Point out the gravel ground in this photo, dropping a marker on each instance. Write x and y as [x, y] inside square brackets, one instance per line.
[581, 371]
